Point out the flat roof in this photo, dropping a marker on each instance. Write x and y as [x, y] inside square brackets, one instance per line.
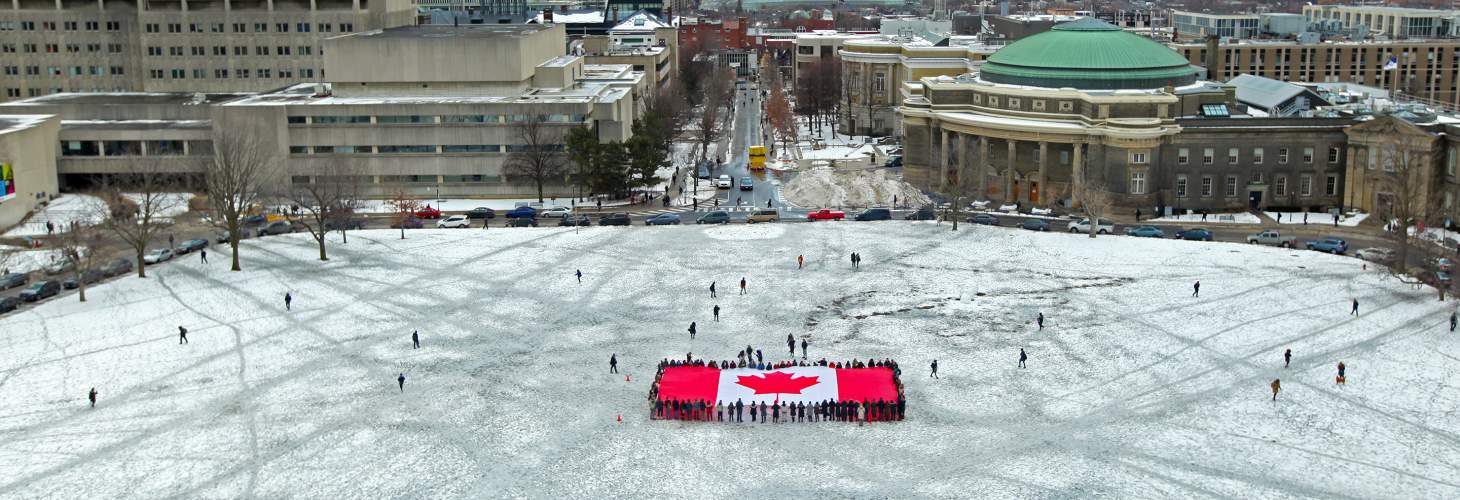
[135, 124]
[462, 31]
[11, 123]
[130, 98]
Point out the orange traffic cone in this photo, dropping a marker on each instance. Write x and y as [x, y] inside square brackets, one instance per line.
[626, 378]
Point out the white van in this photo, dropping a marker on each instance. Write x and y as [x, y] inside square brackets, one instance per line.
[724, 182]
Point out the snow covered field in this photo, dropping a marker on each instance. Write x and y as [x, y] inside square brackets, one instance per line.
[1134, 388]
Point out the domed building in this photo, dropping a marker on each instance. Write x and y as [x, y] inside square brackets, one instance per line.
[1089, 104]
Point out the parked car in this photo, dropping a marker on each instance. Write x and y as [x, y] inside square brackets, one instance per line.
[351, 224]
[88, 276]
[704, 171]
[614, 219]
[1444, 264]
[519, 212]
[874, 214]
[192, 245]
[158, 255]
[522, 222]
[410, 222]
[1272, 237]
[1194, 234]
[427, 212]
[276, 227]
[1035, 224]
[13, 280]
[716, 217]
[724, 182]
[764, 215]
[8, 304]
[663, 220]
[1145, 232]
[826, 214]
[924, 213]
[254, 220]
[1102, 226]
[222, 236]
[747, 184]
[576, 220]
[985, 219]
[481, 213]
[455, 221]
[40, 290]
[1376, 254]
[557, 212]
[1329, 244]
[893, 161]
[60, 266]
[117, 267]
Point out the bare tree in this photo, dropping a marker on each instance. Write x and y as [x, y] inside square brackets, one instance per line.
[1094, 201]
[710, 122]
[138, 201]
[80, 243]
[1402, 182]
[234, 178]
[538, 155]
[960, 187]
[325, 202]
[403, 208]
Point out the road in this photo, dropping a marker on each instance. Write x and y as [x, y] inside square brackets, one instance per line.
[747, 132]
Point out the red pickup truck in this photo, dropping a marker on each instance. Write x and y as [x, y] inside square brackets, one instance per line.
[826, 214]
[427, 212]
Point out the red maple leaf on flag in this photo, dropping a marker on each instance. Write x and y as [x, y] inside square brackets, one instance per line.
[777, 383]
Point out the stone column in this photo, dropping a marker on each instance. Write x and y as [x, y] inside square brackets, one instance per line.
[1077, 173]
[1043, 171]
[963, 160]
[1009, 170]
[1352, 174]
[982, 167]
[943, 161]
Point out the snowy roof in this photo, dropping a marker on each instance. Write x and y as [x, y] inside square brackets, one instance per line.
[1265, 93]
[11, 123]
[640, 21]
[840, 153]
[576, 17]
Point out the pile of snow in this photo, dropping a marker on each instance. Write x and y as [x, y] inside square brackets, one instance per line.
[22, 260]
[1232, 218]
[1323, 218]
[824, 187]
[171, 204]
[61, 212]
[1134, 389]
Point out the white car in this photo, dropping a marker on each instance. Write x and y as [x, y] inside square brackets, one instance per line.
[159, 255]
[454, 221]
[1376, 254]
[1083, 226]
[556, 212]
[723, 182]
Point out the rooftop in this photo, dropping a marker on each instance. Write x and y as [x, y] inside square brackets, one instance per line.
[12, 123]
[129, 98]
[135, 124]
[1264, 92]
[1088, 54]
[462, 31]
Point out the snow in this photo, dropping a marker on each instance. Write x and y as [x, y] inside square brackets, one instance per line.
[61, 212]
[462, 204]
[1134, 389]
[1324, 218]
[825, 187]
[1232, 218]
[21, 260]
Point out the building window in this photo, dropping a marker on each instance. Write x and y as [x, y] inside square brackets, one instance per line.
[1231, 186]
[994, 101]
[281, 27]
[1037, 104]
[1138, 158]
[1308, 156]
[806, 50]
[1280, 185]
[1206, 186]
[1330, 185]
[302, 27]
[1138, 182]
[1305, 185]
[1232, 155]
[1257, 155]
[1208, 155]
[1180, 186]
[1333, 155]
[282, 50]
[1067, 106]
[1181, 156]
[879, 82]
[1013, 103]
[1283, 156]
[306, 50]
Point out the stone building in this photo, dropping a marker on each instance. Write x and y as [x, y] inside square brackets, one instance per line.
[1403, 158]
[875, 70]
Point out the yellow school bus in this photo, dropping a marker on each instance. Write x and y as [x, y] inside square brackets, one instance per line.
[757, 157]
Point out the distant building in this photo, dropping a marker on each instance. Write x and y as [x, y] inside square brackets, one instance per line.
[1016, 27]
[877, 69]
[1275, 98]
[27, 164]
[643, 41]
[1391, 22]
[1426, 68]
[1199, 25]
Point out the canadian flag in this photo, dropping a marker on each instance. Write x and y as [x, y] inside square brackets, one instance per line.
[806, 384]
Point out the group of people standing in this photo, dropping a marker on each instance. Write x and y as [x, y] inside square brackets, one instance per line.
[777, 412]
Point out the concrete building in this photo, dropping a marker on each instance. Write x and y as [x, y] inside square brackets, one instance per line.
[1391, 22]
[876, 69]
[402, 114]
[27, 164]
[1199, 25]
[643, 41]
[1427, 68]
[1019, 26]
[1274, 98]
[176, 45]
[1399, 149]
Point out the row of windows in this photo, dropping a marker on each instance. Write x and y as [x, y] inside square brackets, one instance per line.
[136, 148]
[53, 48]
[1280, 187]
[398, 149]
[408, 119]
[221, 73]
[36, 92]
[1258, 155]
[244, 27]
[240, 50]
[64, 25]
[66, 70]
[405, 179]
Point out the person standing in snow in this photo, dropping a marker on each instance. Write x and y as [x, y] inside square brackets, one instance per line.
[791, 344]
[712, 289]
[416, 339]
[1277, 385]
[1341, 368]
[288, 300]
[758, 358]
[1196, 289]
[752, 413]
[854, 259]
[800, 261]
[92, 396]
[1287, 357]
[691, 330]
[1022, 358]
[401, 380]
[742, 285]
[1452, 321]
[1355, 310]
[580, 275]
[803, 348]
[935, 369]
[204, 254]
[1040, 320]
[717, 312]
[613, 363]
[182, 335]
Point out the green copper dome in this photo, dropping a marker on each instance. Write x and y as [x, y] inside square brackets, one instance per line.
[1088, 54]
